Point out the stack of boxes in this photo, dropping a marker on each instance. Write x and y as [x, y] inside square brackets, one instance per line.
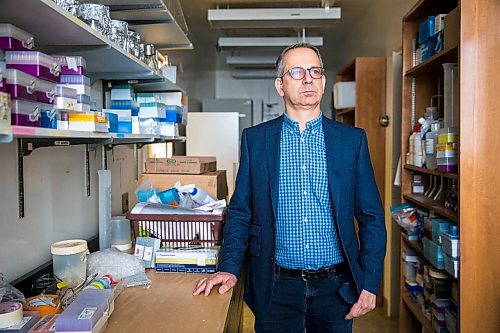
[124, 111]
[430, 37]
[156, 116]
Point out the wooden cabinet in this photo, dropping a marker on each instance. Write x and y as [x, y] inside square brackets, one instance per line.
[369, 75]
[477, 57]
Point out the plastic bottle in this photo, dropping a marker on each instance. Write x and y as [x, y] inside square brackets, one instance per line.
[417, 148]
[200, 196]
[430, 146]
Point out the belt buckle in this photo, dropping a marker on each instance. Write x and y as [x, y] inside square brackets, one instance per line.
[303, 274]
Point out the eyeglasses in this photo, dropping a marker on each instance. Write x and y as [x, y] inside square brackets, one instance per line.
[298, 73]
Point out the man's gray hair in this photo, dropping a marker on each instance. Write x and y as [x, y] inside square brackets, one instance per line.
[280, 63]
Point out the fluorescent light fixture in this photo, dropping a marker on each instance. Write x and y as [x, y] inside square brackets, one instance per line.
[242, 42]
[272, 17]
[252, 61]
[253, 74]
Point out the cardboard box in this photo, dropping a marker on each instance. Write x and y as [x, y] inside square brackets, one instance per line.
[182, 164]
[214, 182]
[185, 260]
[452, 29]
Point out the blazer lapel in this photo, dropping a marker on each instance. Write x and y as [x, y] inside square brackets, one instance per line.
[333, 159]
[273, 137]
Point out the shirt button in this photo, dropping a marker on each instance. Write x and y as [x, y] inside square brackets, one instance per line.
[302, 140]
[305, 192]
[304, 167]
[306, 220]
[307, 246]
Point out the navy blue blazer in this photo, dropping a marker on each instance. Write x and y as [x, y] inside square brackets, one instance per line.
[250, 226]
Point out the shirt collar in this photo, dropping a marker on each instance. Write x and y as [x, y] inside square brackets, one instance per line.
[292, 125]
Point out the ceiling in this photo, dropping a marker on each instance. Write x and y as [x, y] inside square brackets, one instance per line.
[206, 56]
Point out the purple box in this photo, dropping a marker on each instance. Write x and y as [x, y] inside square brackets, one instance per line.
[25, 113]
[34, 63]
[77, 64]
[20, 85]
[14, 39]
[448, 168]
[65, 70]
[86, 310]
[45, 91]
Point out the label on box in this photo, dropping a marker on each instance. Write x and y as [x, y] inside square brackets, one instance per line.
[139, 251]
[87, 313]
[148, 253]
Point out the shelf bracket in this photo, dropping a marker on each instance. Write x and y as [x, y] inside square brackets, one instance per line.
[25, 146]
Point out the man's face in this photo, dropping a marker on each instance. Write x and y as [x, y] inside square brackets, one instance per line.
[305, 93]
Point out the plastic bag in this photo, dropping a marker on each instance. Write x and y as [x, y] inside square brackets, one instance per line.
[115, 263]
[146, 193]
[9, 294]
[406, 216]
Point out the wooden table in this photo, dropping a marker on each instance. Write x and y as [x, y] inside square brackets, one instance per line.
[168, 306]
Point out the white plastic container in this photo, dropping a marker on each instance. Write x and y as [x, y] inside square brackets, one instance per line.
[200, 196]
[120, 233]
[70, 260]
[344, 94]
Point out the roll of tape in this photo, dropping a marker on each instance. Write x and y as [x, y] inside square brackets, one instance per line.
[11, 313]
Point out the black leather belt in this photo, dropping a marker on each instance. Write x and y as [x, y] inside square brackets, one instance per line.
[308, 274]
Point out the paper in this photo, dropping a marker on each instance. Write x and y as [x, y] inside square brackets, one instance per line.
[71, 63]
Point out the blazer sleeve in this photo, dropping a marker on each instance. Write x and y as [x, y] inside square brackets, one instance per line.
[238, 216]
[369, 213]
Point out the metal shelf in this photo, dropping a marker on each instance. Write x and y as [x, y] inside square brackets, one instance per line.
[58, 31]
[152, 19]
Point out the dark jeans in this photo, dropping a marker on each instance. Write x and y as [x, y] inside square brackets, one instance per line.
[314, 305]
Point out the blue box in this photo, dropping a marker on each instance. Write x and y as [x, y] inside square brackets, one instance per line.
[49, 119]
[126, 104]
[426, 29]
[428, 48]
[438, 227]
[113, 122]
[434, 253]
[125, 127]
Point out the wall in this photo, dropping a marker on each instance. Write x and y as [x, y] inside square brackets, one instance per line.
[56, 205]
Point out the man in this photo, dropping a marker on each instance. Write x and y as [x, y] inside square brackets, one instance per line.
[302, 178]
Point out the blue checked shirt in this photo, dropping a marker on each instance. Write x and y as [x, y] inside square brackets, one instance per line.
[306, 237]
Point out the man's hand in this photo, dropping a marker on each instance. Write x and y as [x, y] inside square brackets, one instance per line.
[227, 281]
[365, 304]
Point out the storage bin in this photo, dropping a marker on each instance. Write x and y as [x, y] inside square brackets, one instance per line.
[152, 110]
[69, 261]
[72, 65]
[82, 107]
[451, 242]
[81, 89]
[21, 85]
[49, 119]
[441, 285]
[179, 229]
[65, 103]
[14, 39]
[65, 91]
[451, 265]
[63, 120]
[120, 233]
[45, 91]
[434, 253]
[34, 63]
[446, 135]
[167, 128]
[75, 79]
[88, 122]
[83, 99]
[25, 113]
[447, 164]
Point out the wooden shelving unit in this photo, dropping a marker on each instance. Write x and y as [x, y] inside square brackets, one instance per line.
[431, 172]
[414, 308]
[420, 83]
